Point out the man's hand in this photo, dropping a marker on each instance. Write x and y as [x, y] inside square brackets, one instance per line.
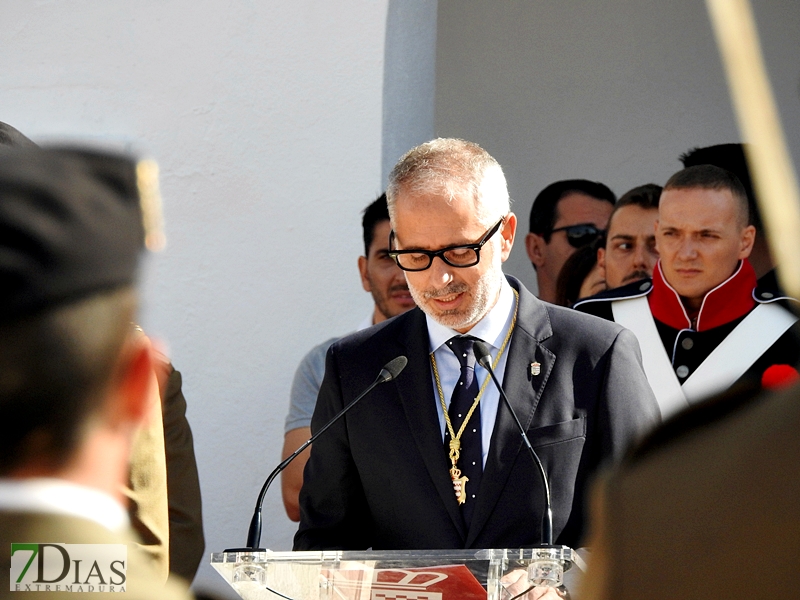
[517, 586]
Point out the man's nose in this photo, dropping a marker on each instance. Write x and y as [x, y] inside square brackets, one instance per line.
[440, 273]
[396, 272]
[687, 248]
[397, 275]
[639, 256]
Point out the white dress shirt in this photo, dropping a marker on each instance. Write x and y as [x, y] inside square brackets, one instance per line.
[56, 496]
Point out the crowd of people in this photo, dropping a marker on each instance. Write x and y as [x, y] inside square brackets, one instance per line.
[657, 325]
[685, 267]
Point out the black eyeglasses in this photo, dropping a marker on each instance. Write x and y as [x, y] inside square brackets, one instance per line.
[467, 255]
[581, 235]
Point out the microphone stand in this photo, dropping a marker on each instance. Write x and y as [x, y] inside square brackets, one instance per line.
[391, 370]
[548, 563]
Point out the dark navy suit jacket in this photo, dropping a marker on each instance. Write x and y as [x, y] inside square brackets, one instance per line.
[379, 478]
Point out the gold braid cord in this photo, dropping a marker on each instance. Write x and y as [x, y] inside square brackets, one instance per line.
[459, 483]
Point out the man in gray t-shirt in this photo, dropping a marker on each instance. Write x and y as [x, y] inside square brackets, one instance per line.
[386, 282]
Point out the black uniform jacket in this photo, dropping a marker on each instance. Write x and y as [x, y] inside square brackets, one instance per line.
[724, 307]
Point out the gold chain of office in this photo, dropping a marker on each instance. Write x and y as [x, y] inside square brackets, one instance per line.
[459, 482]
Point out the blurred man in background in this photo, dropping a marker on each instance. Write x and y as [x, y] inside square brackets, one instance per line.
[77, 380]
[163, 487]
[382, 278]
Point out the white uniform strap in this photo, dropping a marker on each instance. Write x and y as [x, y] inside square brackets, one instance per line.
[738, 351]
[634, 314]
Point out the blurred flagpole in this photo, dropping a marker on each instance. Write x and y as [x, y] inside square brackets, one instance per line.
[771, 166]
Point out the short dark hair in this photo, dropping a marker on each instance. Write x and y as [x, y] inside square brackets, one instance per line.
[544, 210]
[575, 270]
[709, 177]
[375, 213]
[54, 368]
[644, 196]
[730, 157]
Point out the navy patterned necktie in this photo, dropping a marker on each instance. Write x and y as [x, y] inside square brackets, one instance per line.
[470, 461]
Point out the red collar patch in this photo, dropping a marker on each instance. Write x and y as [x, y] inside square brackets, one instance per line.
[730, 300]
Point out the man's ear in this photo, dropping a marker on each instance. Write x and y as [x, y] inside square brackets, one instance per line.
[601, 262]
[508, 231]
[362, 270]
[748, 239]
[534, 245]
[136, 386]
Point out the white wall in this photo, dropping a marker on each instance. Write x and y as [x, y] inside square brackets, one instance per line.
[266, 118]
[612, 91]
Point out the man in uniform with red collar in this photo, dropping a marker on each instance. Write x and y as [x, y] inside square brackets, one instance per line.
[715, 326]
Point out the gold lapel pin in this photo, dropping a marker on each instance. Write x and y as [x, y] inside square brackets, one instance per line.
[536, 368]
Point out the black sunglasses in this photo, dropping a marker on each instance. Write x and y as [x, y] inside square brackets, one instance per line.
[581, 235]
[466, 255]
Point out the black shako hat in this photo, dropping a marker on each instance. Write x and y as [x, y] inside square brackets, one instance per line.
[71, 224]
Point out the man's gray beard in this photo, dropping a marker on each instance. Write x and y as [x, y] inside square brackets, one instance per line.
[483, 293]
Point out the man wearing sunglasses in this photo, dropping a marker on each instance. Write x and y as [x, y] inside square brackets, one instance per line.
[565, 216]
[433, 459]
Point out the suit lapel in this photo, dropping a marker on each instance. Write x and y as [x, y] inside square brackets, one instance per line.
[524, 389]
[416, 392]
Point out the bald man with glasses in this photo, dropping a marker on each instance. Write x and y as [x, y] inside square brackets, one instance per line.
[433, 459]
[565, 216]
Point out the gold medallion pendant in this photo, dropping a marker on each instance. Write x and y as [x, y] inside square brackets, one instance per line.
[459, 484]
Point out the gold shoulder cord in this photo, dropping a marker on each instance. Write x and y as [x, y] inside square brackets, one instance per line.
[459, 483]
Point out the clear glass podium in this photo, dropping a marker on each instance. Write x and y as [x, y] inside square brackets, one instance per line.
[398, 574]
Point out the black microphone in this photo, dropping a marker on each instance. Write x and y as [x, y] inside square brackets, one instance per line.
[484, 359]
[389, 371]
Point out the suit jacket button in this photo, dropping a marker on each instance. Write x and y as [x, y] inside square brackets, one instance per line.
[682, 371]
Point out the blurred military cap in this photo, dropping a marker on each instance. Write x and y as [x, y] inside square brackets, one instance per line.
[70, 226]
